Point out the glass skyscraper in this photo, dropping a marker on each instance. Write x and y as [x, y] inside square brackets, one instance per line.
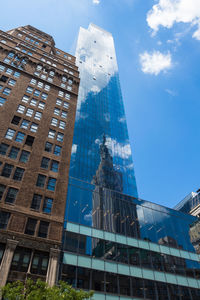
[114, 243]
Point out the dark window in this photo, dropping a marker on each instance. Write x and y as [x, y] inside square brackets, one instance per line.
[47, 205]
[30, 226]
[36, 202]
[7, 170]
[13, 152]
[3, 148]
[54, 166]
[2, 189]
[3, 78]
[16, 120]
[4, 218]
[51, 184]
[48, 147]
[29, 140]
[21, 259]
[43, 229]
[40, 263]
[41, 180]
[11, 195]
[24, 156]
[18, 174]
[45, 163]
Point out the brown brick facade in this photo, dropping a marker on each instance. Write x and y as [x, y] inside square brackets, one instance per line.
[38, 95]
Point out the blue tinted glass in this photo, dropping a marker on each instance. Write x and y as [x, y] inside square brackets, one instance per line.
[100, 118]
[47, 205]
[20, 137]
[51, 184]
[57, 150]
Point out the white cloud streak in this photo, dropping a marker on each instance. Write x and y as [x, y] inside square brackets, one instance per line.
[168, 12]
[96, 1]
[154, 63]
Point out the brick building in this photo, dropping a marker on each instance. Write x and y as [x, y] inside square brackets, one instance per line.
[38, 95]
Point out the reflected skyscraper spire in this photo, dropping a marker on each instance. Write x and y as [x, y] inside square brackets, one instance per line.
[100, 111]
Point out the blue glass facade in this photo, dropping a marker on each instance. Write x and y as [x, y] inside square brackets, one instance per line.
[115, 243]
[100, 111]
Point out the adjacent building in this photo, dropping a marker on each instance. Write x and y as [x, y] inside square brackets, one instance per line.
[38, 96]
[191, 205]
[118, 245]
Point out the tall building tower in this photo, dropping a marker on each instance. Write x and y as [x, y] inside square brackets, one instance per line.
[114, 243]
[38, 95]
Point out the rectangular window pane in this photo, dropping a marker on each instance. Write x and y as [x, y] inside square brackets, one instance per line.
[44, 96]
[45, 163]
[41, 105]
[48, 147]
[60, 137]
[11, 195]
[43, 229]
[34, 127]
[7, 170]
[36, 93]
[25, 99]
[29, 112]
[13, 152]
[48, 202]
[62, 125]
[51, 184]
[54, 166]
[19, 137]
[33, 102]
[30, 226]
[54, 122]
[21, 109]
[25, 124]
[6, 91]
[41, 180]
[57, 150]
[18, 174]
[58, 102]
[24, 156]
[29, 90]
[3, 148]
[4, 218]
[12, 82]
[16, 120]
[36, 201]
[2, 101]
[51, 134]
[38, 115]
[10, 134]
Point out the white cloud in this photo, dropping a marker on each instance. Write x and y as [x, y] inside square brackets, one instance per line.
[96, 1]
[168, 12]
[154, 63]
[118, 149]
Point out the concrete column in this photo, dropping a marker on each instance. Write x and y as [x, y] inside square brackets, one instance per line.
[7, 260]
[52, 266]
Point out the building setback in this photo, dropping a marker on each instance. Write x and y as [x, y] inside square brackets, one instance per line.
[118, 245]
[38, 96]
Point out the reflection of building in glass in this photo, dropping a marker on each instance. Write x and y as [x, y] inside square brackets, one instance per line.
[112, 211]
[195, 235]
[115, 243]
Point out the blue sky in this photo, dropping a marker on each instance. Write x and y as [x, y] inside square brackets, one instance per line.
[158, 50]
